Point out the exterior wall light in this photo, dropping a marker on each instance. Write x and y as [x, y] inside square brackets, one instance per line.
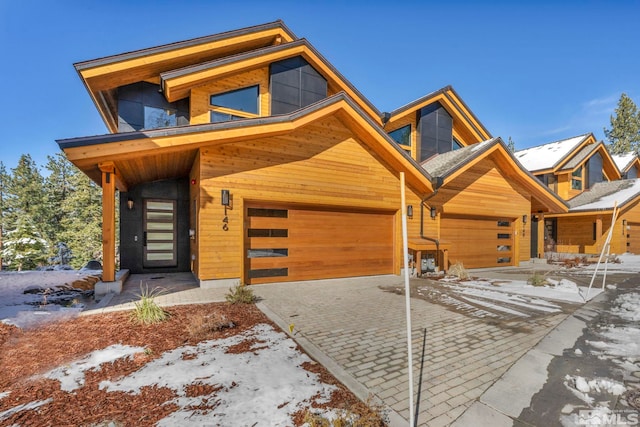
[130, 203]
[433, 212]
[225, 198]
[524, 219]
[410, 211]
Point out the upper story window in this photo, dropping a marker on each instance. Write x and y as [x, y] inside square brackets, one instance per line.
[456, 145]
[593, 173]
[576, 179]
[155, 117]
[141, 106]
[632, 173]
[235, 104]
[294, 84]
[402, 135]
[434, 131]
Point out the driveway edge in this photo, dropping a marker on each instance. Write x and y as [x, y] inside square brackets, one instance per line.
[336, 370]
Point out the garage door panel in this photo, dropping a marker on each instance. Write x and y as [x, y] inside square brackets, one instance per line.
[321, 244]
[633, 237]
[479, 242]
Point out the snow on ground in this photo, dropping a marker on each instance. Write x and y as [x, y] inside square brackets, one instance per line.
[29, 310]
[629, 264]
[627, 307]
[71, 376]
[269, 377]
[265, 383]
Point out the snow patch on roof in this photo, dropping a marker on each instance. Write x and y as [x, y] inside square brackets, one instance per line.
[623, 160]
[604, 195]
[548, 155]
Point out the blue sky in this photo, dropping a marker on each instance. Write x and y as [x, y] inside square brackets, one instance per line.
[535, 71]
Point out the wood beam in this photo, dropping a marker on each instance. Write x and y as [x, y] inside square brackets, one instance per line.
[108, 223]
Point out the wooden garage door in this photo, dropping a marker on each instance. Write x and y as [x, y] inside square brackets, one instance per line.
[479, 242]
[287, 244]
[633, 237]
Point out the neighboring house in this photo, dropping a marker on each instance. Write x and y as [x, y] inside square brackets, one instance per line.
[246, 157]
[598, 203]
[581, 171]
[484, 199]
[628, 164]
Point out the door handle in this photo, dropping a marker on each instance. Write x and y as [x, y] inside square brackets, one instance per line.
[144, 237]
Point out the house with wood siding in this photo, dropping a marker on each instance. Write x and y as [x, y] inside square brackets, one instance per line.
[628, 164]
[581, 171]
[246, 157]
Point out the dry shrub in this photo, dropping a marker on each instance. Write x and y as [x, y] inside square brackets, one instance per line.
[201, 326]
[537, 279]
[367, 414]
[240, 295]
[458, 270]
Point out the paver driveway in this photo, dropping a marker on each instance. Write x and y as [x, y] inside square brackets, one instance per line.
[362, 328]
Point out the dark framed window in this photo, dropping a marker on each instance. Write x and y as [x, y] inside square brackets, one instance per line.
[267, 253]
[504, 236]
[155, 117]
[217, 117]
[245, 99]
[576, 179]
[456, 145]
[402, 135]
[268, 213]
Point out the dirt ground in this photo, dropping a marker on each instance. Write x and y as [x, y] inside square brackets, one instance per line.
[25, 354]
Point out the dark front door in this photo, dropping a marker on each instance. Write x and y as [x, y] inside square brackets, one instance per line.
[160, 243]
[534, 236]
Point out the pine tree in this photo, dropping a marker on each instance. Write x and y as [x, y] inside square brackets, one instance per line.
[81, 220]
[511, 145]
[3, 183]
[57, 188]
[24, 248]
[624, 135]
[25, 196]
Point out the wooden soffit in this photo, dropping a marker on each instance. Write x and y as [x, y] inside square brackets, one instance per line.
[170, 152]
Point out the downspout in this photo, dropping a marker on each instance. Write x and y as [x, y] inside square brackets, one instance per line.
[437, 183]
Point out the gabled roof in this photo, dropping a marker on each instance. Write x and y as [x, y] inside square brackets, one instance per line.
[102, 75]
[176, 84]
[608, 165]
[176, 147]
[448, 166]
[552, 156]
[603, 196]
[450, 99]
[624, 162]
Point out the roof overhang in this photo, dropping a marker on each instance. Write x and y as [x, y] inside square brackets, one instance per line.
[543, 199]
[128, 151]
[177, 84]
[105, 74]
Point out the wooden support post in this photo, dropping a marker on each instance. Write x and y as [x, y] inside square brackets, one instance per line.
[108, 223]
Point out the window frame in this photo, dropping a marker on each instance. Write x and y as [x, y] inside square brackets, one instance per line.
[232, 112]
[577, 179]
[401, 128]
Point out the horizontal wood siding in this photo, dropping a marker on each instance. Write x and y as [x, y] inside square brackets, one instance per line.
[200, 95]
[483, 191]
[320, 165]
[575, 234]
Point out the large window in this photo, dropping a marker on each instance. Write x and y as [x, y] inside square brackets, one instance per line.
[402, 136]
[159, 117]
[235, 104]
[434, 131]
[593, 173]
